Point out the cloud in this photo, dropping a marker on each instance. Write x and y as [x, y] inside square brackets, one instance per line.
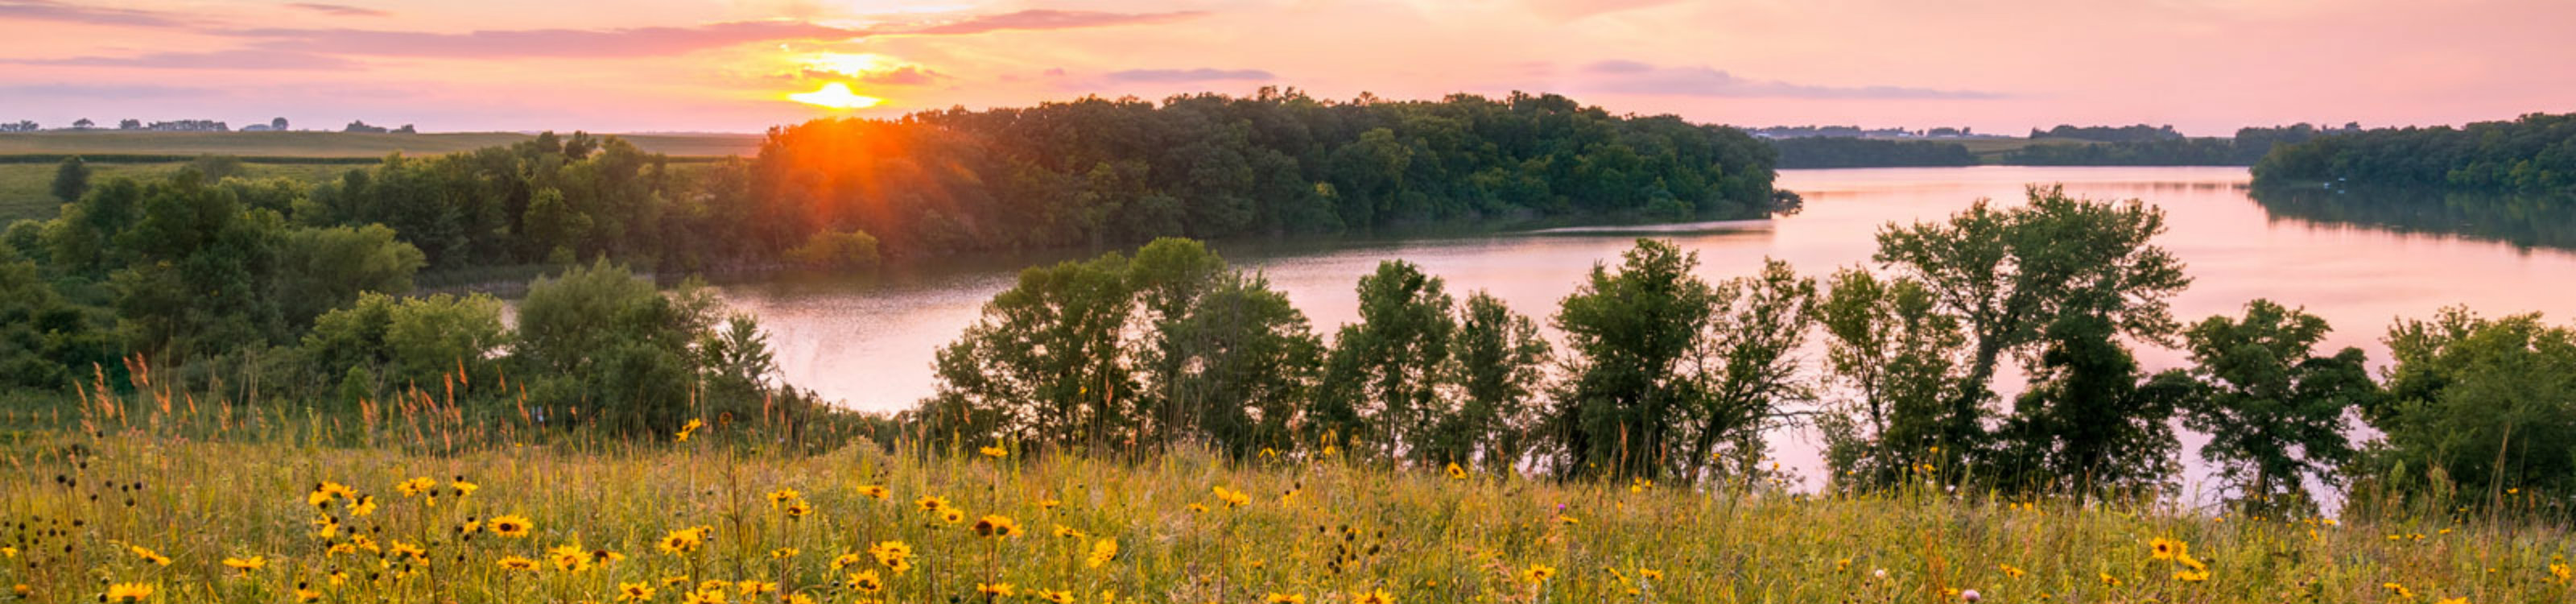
[1051, 19]
[1202, 74]
[220, 59]
[105, 91]
[1568, 10]
[340, 10]
[646, 41]
[49, 10]
[636, 41]
[908, 75]
[1631, 77]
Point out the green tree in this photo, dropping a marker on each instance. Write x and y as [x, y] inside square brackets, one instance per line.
[2272, 407]
[1897, 355]
[71, 179]
[2479, 406]
[2009, 274]
[1499, 361]
[1249, 362]
[2087, 425]
[1045, 363]
[1630, 331]
[1381, 382]
[324, 268]
[1168, 277]
[616, 347]
[1744, 366]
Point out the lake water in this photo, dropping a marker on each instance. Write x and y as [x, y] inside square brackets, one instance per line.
[869, 341]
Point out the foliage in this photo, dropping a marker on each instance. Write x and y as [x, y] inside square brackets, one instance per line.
[2273, 409]
[1382, 382]
[836, 251]
[1667, 369]
[71, 179]
[2087, 425]
[1098, 171]
[2478, 405]
[1898, 356]
[619, 348]
[2535, 153]
[409, 342]
[1839, 152]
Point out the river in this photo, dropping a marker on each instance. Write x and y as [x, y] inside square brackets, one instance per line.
[868, 341]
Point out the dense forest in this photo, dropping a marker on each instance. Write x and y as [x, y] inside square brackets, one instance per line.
[2535, 153]
[2138, 148]
[297, 286]
[1840, 152]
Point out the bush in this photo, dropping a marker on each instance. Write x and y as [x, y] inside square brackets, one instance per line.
[828, 250]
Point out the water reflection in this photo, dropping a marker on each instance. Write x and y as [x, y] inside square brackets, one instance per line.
[2521, 220]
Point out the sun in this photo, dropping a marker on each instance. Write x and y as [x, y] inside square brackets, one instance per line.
[835, 95]
[849, 64]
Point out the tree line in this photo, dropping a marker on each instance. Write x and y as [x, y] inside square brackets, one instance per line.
[1661, 374]
[2105, 146]
[2535, 153]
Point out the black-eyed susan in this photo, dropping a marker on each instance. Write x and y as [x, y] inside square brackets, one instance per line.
[127, 592]
[1457, 473]
[2398, 589]
[755, 589]
[865, 582]
[1231, 497]
[634, 592]
[512, 526]
[994, 452]
[894, 555]
[568, 557]
[797, 510]
[463, 487]
[1280, 598]
[1374, 596]
[931, 503]
[2012, 572]
[2191, 575]
[1055, 596]
[1102, 552]
[246, 565]
[783, 553]
[688, 429]
[996, 526]
[1069, 532]
[2167, 549]
[952, 515]
[997, 590]
[2108, 580]
[148, 556]
[1538, 573]
[847, 560]
[520, 563]
[782, 496]
[702, 596]
[683, 541]
[877, 492]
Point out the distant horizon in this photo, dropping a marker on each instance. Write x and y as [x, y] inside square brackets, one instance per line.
[2203, 66]
[108, 125]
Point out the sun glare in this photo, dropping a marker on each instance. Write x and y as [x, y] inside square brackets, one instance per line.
[835, 95]
[849, 64]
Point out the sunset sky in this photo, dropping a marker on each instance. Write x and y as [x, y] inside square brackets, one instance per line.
[2205, 66]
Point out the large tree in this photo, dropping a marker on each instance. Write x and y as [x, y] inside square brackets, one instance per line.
[1668, 370]
[2010, 273]
[1897, 358]
[1045, 364]
[1498, 361]
[2274, 408]
[1381, 383]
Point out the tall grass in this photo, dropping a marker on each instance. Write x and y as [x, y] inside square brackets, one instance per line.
[197, 481]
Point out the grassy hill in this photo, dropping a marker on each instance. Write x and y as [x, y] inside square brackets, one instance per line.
[332, 144]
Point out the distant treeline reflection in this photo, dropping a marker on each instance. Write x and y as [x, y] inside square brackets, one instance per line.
[2524, 220]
